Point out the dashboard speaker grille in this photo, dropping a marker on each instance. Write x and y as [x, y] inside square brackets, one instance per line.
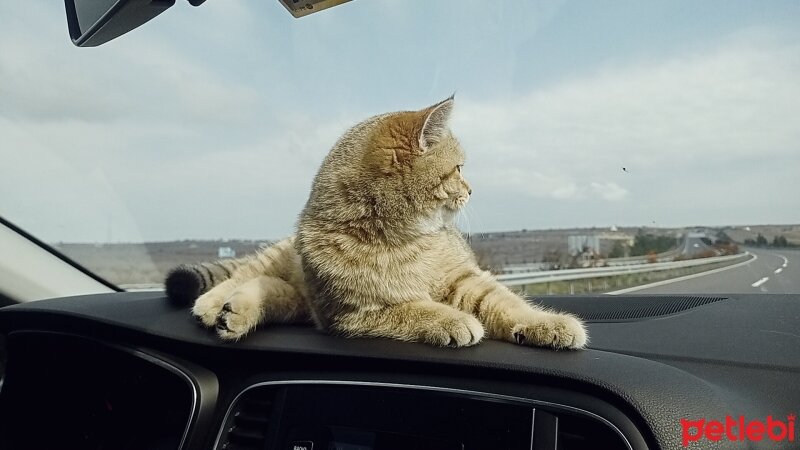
[606, 308]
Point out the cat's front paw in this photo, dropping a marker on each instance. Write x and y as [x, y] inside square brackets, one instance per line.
[207, 307]
[457, 330]
[558, 331]
[239, 315]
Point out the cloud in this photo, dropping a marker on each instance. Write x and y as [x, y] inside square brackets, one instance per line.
[609, 191]
[551, 185]
[683, 126]
[724, 101]
[46, 79]
[186, 129]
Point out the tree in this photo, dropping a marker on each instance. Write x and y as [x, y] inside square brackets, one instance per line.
[617, 251]
[761, 240]
[646, 243]
[780, 241]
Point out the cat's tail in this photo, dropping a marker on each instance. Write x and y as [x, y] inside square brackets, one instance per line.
[186, 282]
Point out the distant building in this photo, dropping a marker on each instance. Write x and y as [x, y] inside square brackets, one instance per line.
[582, 243]
[598, 244]
[226, 252]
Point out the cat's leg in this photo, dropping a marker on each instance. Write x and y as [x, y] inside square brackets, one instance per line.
[260, 300]
[507, 316]
[417, 321]
[279, 260]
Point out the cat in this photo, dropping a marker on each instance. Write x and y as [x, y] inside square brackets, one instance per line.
[376, 253]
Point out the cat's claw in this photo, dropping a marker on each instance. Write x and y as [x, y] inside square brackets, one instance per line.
[207, 308]
[238, 316]
[222, 325]
[230, 326]
[558, 331]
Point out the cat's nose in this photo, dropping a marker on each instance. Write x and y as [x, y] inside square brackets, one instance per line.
[469, 191]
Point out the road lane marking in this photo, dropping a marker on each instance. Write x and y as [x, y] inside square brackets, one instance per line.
[683, 278]
[778, 270]
[785, 261]
[760, 282]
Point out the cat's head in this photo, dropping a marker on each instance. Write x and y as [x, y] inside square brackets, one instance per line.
[417, 149]
[403, 166]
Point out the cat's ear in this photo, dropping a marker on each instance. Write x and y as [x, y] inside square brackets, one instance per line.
[434, 127]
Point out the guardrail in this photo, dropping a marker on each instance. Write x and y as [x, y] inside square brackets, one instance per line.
[548, 276]
[667, 256]
[518, 279]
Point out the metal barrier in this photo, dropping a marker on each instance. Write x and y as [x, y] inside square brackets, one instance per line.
[517, 279]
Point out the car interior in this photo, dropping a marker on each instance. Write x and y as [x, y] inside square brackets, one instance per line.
[89, 365]
[129, 370]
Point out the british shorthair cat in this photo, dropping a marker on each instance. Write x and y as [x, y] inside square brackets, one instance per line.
[376, 253]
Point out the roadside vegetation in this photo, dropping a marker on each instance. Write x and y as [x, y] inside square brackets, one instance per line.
[601, 285]
[778, 241]
[646, 244]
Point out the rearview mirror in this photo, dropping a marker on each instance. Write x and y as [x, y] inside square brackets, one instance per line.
[94, 22]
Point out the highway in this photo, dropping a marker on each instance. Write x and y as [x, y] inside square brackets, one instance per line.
[693, 244]
[772, 271]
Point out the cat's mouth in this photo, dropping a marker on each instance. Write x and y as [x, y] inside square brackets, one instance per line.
[457, 203]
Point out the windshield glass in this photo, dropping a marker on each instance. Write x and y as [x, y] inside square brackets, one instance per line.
[657, 137]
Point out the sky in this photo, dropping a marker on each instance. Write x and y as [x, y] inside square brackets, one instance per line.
[210, 122]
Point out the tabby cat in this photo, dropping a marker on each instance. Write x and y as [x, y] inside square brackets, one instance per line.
[377, 253]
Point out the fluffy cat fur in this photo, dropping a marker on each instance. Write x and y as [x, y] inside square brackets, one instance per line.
[376, 253]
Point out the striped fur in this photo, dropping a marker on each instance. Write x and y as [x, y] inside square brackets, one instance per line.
[376, 252]
[186, 282]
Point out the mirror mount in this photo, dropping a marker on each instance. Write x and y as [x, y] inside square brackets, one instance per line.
[300, 8]
[95, 22]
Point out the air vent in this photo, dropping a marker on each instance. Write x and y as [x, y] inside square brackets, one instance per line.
[606, 308]
[568, 431]
[248, 422]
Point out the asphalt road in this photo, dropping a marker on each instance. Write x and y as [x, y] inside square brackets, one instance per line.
[773, 271]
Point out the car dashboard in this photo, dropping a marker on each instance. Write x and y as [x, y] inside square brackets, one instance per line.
[132, 371]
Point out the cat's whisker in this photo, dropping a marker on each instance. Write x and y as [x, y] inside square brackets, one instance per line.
[470, 217]
[476, 218]
[463, 223]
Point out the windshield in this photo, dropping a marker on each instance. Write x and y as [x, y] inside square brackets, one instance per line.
[660, 137]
